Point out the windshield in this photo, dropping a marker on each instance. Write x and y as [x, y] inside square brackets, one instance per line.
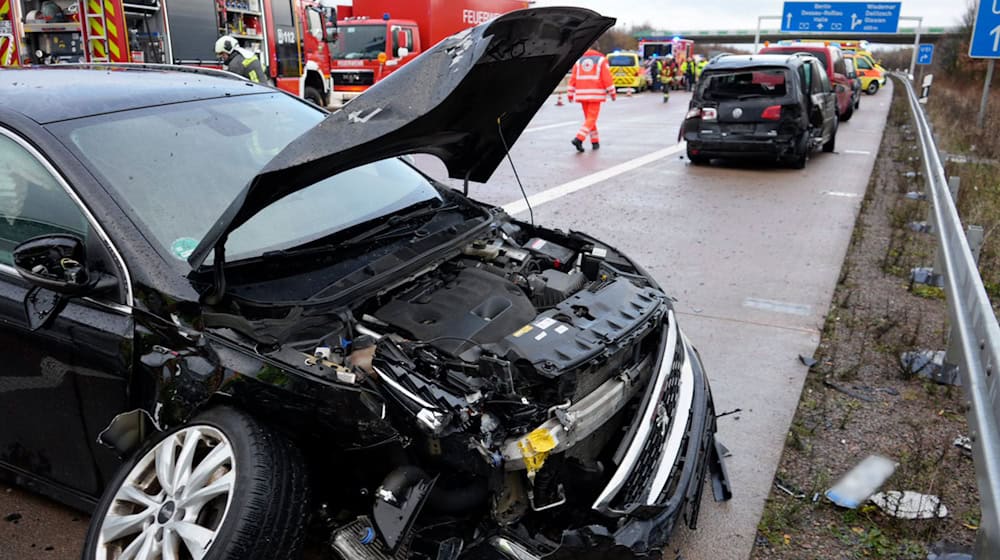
[359, 42]
[174, 169]
[621, 60]
[743, 84]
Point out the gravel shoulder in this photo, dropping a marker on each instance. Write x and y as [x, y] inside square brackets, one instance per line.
[858, 400]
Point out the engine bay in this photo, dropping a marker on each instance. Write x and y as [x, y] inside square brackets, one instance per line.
[510, 373]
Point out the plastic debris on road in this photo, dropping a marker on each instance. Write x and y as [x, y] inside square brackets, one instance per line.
[862, 481]
[964, 443]
[910, 505]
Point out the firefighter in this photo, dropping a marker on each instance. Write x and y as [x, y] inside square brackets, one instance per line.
[655, 69]
[239, 60]
[667, 77]
[590, 84]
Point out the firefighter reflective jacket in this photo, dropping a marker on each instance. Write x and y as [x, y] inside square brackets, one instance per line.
[246, 64]
[591, 79]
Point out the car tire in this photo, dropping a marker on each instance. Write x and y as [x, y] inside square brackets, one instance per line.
[800, 154]
[831, 144]
[872, 88]
[257, 514]
[314, 96]
[849, 113]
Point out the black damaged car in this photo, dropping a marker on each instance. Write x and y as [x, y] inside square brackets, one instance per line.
[232, 324]
[780, 107]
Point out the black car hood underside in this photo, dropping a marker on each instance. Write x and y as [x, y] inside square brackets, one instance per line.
[452, 102]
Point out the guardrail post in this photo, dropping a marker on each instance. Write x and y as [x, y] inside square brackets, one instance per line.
[953, 185]
[975, 235]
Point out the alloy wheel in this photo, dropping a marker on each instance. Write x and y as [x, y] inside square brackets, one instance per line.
[172, 503]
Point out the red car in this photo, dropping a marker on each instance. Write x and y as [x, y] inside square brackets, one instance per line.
[833, 62]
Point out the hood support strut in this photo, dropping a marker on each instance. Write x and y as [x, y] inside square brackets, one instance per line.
[218, 292]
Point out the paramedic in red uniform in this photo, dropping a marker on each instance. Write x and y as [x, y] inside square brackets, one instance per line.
[590, 84]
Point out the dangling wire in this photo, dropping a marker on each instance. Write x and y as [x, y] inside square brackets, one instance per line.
[531, 213]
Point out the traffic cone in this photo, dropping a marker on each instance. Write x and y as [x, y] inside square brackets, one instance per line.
[559, 101]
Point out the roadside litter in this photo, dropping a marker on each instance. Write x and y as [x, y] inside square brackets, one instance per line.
[910, 505]
[789, 489]
[965, 444]
[808, 362]
[862, 481]
[860, 392]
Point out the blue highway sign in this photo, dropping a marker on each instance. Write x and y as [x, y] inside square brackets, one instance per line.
[986, 31]
[925, 55]
[842, 17]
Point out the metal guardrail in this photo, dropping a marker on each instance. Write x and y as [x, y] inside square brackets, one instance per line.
[974, 333]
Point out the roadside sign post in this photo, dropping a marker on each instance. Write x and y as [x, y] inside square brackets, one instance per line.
[986, 94]
[756, 38]
[916, 43]
[925, 89]
[925, 56]
[985, 43]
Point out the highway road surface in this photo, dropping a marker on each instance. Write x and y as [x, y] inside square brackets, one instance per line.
[751, 252]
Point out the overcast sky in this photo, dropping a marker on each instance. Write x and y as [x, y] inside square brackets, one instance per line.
[704, 15]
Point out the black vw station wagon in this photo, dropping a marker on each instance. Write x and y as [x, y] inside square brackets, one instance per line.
[772, 106]
[232, 324]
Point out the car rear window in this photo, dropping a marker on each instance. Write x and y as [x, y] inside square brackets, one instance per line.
[621, 60]
[744, 84]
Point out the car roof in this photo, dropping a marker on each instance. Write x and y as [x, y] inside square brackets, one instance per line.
[803, 47]
[57, 93]
[740, 61]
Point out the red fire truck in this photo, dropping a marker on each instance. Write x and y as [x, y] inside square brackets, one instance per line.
[680, 49]
[375, 37]
[289, 35]
[52, 31]
[306, 50]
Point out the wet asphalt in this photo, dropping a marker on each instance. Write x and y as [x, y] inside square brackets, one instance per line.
[751, 251]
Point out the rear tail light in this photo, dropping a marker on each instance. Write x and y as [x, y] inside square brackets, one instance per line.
[693, 113]
[772, 113]
[709, 114]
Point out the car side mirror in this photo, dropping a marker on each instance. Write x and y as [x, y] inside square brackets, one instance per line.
[402, 52]
[58, 263]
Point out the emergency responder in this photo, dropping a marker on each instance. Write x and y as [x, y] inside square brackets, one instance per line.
[700, 68]
[667, 78]
[239, 60]
[689, 68]
[655, 69]
[590, 84]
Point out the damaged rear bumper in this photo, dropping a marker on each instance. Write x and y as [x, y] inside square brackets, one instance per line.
[737, 146]
[657, 487]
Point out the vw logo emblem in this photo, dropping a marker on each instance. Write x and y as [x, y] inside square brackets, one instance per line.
[737, 113]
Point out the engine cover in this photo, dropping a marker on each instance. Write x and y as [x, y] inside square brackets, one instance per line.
[454, 308]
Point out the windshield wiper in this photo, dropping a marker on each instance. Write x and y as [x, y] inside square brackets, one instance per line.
[395, 225]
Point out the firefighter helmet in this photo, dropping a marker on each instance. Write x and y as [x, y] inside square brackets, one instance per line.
[225, 44]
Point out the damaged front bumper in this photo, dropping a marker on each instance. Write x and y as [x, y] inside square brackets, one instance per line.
[661, 467]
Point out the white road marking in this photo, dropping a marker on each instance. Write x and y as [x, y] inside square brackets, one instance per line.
[778, 306]
[858, 152]
[548, 195]
[842, 194]
[556, 125]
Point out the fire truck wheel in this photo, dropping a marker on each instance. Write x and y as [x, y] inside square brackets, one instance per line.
[314, 96]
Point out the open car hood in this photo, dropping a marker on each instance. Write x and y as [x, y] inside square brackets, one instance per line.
[452, 101]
